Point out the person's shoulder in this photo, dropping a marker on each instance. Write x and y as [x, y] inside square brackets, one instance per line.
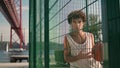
[67, 34]
[90, 34]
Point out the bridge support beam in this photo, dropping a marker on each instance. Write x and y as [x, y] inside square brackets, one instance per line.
[11, 37]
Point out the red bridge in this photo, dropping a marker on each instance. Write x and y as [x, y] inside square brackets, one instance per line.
[12, 11]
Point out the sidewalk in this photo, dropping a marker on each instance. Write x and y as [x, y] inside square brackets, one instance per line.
[14, 65]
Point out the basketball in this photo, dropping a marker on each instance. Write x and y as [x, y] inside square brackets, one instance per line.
[97, 51]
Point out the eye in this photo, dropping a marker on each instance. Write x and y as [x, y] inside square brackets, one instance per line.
[74, 21]
[79, 21]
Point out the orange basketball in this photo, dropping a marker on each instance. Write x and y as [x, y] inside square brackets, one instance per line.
[97, 51]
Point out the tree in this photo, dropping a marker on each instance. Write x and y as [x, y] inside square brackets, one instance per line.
[94, 26]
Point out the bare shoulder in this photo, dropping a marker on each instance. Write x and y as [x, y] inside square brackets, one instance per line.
[65, 39]
[90, 34]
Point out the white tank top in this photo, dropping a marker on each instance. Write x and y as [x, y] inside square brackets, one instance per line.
[85, 47]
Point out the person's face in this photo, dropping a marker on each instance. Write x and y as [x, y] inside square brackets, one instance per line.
[77, 24]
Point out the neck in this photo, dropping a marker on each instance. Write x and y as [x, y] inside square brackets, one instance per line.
[78, 33]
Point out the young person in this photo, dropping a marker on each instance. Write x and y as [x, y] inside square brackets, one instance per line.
[78, 43]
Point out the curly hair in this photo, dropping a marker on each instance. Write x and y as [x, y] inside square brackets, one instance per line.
[75, 15]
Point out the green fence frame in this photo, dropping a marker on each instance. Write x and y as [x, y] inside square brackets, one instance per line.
[36, 49]
[111, 32]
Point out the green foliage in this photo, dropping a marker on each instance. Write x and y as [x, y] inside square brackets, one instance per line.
[59, 57]
[94, 25]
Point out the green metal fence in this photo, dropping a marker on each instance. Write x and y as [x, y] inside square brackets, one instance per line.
[36, 34]
[111, 32]
[58, 25]
[48, 26]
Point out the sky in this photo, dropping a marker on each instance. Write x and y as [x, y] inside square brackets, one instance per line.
[5, 26]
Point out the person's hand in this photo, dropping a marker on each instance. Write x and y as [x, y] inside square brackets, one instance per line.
[83, 55]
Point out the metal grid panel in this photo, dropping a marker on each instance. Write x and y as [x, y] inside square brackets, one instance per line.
[36, 34]
[43, 48]
[58, 25]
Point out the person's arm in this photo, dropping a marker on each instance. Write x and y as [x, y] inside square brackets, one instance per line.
[92, 37]
[67, 54]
